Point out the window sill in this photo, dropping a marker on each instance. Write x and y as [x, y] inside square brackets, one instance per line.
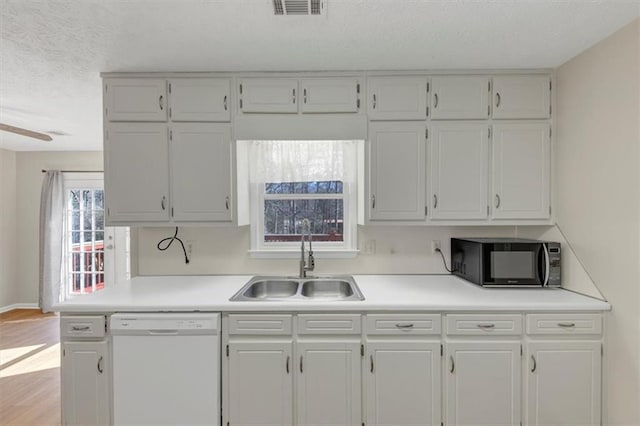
[295, 254]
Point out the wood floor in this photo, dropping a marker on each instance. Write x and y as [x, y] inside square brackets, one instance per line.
[29, 368]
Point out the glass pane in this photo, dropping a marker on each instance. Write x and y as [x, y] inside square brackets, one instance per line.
[74, 200]
[321, 187]
[74, 221]
[98, 198]
[99, 237]
[85, 203]
[75, 238]
[283, 219]
[86, 220]
[99, 220]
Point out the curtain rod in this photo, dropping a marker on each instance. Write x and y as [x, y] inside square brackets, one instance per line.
[77, 171]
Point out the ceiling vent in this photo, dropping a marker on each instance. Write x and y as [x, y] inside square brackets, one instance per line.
[299, 7]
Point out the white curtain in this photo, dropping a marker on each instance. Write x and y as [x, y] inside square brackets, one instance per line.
[302, 161]
[51, 240]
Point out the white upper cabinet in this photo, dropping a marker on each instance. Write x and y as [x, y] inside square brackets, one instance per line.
[330, 95]
[520, 183]
[136, 158]
[458, 161]
[460, 97]
[135, 99]
[397, 98]
[522, 96]
[200, 99]
[268, 95]
[397, 171]
[200, 172]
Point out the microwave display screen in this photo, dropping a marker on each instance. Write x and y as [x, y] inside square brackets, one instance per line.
[513, 264]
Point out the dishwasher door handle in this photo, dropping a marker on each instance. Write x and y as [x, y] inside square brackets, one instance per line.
[163, 332]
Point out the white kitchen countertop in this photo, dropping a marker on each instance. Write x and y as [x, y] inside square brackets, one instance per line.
[382, 293]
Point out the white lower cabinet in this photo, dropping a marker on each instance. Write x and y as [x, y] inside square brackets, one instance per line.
[402, 382]
[85, 383]
[328, 383]
[483, 382]
[563, 383]
[260, 385]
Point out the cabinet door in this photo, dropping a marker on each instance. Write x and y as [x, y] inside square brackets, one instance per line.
[328, 383]
[397, 98]
[85, 383]
[459, 162]
[269, 95]
[522, 96]
[330, 95]
[403, 383]
[521, 171]
[563, 383]
[397, 171]
[199, 99]
[260, 383]
[139, 99]
[136, 173]
[483, 383]
[460, 97]
[201, 172]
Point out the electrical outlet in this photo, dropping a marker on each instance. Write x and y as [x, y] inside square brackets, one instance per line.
[435, 246]
[370, 247]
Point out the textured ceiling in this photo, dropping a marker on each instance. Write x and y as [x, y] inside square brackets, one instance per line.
[52, 51]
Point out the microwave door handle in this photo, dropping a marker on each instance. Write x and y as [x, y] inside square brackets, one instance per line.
[547, 265]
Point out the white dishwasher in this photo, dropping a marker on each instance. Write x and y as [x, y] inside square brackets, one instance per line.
[166, 369]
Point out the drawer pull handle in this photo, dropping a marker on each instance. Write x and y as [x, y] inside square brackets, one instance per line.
[498, 99]
[404, 326]
[161, 102]
[301, 371]
[453, 364]
[80, 328]
[100, 370]
[374, 101]
[435, 101]
[486, 326]
[224, 101]
[535, 364]
[371, 358]
[287, 365]
[566, 324]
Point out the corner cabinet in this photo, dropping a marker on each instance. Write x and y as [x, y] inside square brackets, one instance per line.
[397, 165]
[522, 97]
[397, 98]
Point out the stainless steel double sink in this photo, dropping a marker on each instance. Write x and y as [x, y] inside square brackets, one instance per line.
[334, 288]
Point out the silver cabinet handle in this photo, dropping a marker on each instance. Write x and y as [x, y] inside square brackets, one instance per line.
[371, 359]
[435, 100]
[294, 96]
[161, 102]
[301, 370]
[374, 101]
[486, 326]
[566, 324]
[80, 328]
[287, 364]
[435, 201]
[100, 370]
[535, 364]
[305, 95]
[498, 201]
[373, 201]
[404, 326]
[453, 364]
[162, 203]
[226, 202]
[498, 100]
[224, 101]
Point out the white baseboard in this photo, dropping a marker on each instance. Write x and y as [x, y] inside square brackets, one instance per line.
[18, 306]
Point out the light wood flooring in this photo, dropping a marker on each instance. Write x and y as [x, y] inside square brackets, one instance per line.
[29, 368]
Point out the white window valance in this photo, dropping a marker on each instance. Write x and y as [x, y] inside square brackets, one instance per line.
[302, 161]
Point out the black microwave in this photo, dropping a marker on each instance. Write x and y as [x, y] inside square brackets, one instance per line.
[506, 262]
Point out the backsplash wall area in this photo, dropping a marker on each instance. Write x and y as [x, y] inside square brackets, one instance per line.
[398, 250]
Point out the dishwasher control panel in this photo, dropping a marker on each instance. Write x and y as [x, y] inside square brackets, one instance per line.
[165, 323]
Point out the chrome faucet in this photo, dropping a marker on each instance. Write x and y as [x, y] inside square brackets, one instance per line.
[310, 264]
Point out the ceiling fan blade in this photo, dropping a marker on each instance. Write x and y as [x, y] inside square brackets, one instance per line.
[25, 132]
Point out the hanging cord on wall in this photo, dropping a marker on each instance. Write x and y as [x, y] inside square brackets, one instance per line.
[444, 261]
[170, 241]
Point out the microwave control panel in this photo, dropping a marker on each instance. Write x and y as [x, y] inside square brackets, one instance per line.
[554, 264]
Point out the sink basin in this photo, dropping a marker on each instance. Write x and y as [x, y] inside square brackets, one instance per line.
[281, 289]
[271, 289]
[327, 289]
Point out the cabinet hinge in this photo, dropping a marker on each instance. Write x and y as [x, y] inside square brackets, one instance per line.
[549, 210]
[361, 350]
[426, 133]
[170, 135]
[241, 88]
[227, 351]
[549, 85]
[428, 87]
[358, 103]
[426, 210]
[549, 132]
[427, 111]
[487, 210]
[601, 349]
[169, 90]
[169, 112]
[171, 211]
[64, 352]
[441, 349]
[488, 111]
[358, 88]
[521, 351]
[489, 85]
[489, 132]
[240, 103]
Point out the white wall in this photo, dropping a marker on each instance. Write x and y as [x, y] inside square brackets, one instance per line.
[597, 160]
[399, 250]
[29, 184]
[8, 242]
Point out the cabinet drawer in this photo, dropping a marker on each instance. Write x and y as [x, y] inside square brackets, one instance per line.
[329, 324]
[260, 324]
[564, 324]
[403, 324]
[500, 325]
[82, 326]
